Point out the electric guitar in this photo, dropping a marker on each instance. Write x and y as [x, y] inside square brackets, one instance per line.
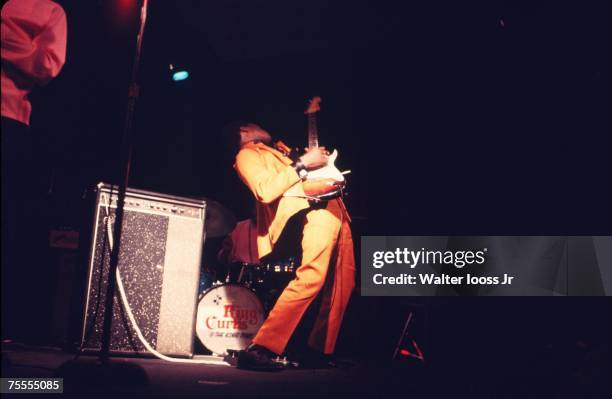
[326, 182]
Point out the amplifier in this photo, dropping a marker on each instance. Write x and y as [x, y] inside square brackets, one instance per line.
[159, 261]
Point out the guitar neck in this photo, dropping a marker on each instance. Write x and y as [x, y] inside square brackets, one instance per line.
[313, 135]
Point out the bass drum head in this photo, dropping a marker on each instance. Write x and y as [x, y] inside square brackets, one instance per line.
[228, 318]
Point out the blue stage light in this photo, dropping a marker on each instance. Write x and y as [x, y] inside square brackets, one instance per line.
[180, 75]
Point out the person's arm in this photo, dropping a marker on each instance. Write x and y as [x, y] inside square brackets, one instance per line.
[42, 57]
[266, 185]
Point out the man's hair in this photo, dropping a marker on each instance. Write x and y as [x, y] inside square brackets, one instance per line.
[231, 135]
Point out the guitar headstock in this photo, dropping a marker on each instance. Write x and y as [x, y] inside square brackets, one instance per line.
[313, 105]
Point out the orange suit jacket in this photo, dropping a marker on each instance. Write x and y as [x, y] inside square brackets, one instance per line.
[277, 187]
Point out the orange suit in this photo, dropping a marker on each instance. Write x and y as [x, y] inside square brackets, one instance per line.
[326, 237]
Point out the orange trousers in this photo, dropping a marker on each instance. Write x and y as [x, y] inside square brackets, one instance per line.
[327, 247]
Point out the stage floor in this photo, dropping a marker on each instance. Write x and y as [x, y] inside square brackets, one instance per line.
[144, 377]
[536, 376]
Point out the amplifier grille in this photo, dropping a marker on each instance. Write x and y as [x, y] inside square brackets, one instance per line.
[159, 262]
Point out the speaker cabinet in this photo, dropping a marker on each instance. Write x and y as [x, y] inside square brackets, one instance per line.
[159, 261]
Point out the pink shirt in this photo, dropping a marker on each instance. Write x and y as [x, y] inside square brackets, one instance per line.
[33, 51]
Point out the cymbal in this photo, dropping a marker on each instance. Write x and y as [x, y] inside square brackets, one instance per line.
[219, 221]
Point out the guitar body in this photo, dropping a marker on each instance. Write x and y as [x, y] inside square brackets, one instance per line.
[328, 171]
[325, 183]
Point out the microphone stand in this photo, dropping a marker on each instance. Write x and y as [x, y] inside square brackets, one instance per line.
[128, 133]
[103, 373]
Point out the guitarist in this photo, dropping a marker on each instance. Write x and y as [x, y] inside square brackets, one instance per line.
[287, 219]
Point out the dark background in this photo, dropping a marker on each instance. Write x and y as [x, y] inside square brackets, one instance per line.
[486, 117]
[481, 117]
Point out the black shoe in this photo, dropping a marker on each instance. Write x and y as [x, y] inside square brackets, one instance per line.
[312, 359]
[258, 358]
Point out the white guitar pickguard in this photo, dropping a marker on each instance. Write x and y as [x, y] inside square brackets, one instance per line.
[329, 171]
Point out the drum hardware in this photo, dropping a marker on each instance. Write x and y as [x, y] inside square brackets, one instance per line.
[241, 274]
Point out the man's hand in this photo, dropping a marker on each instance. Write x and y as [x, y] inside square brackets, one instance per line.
[315, 158]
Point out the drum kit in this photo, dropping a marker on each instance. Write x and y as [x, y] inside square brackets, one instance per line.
[230, 312]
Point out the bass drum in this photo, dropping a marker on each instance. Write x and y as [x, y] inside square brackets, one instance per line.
[229, 316]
